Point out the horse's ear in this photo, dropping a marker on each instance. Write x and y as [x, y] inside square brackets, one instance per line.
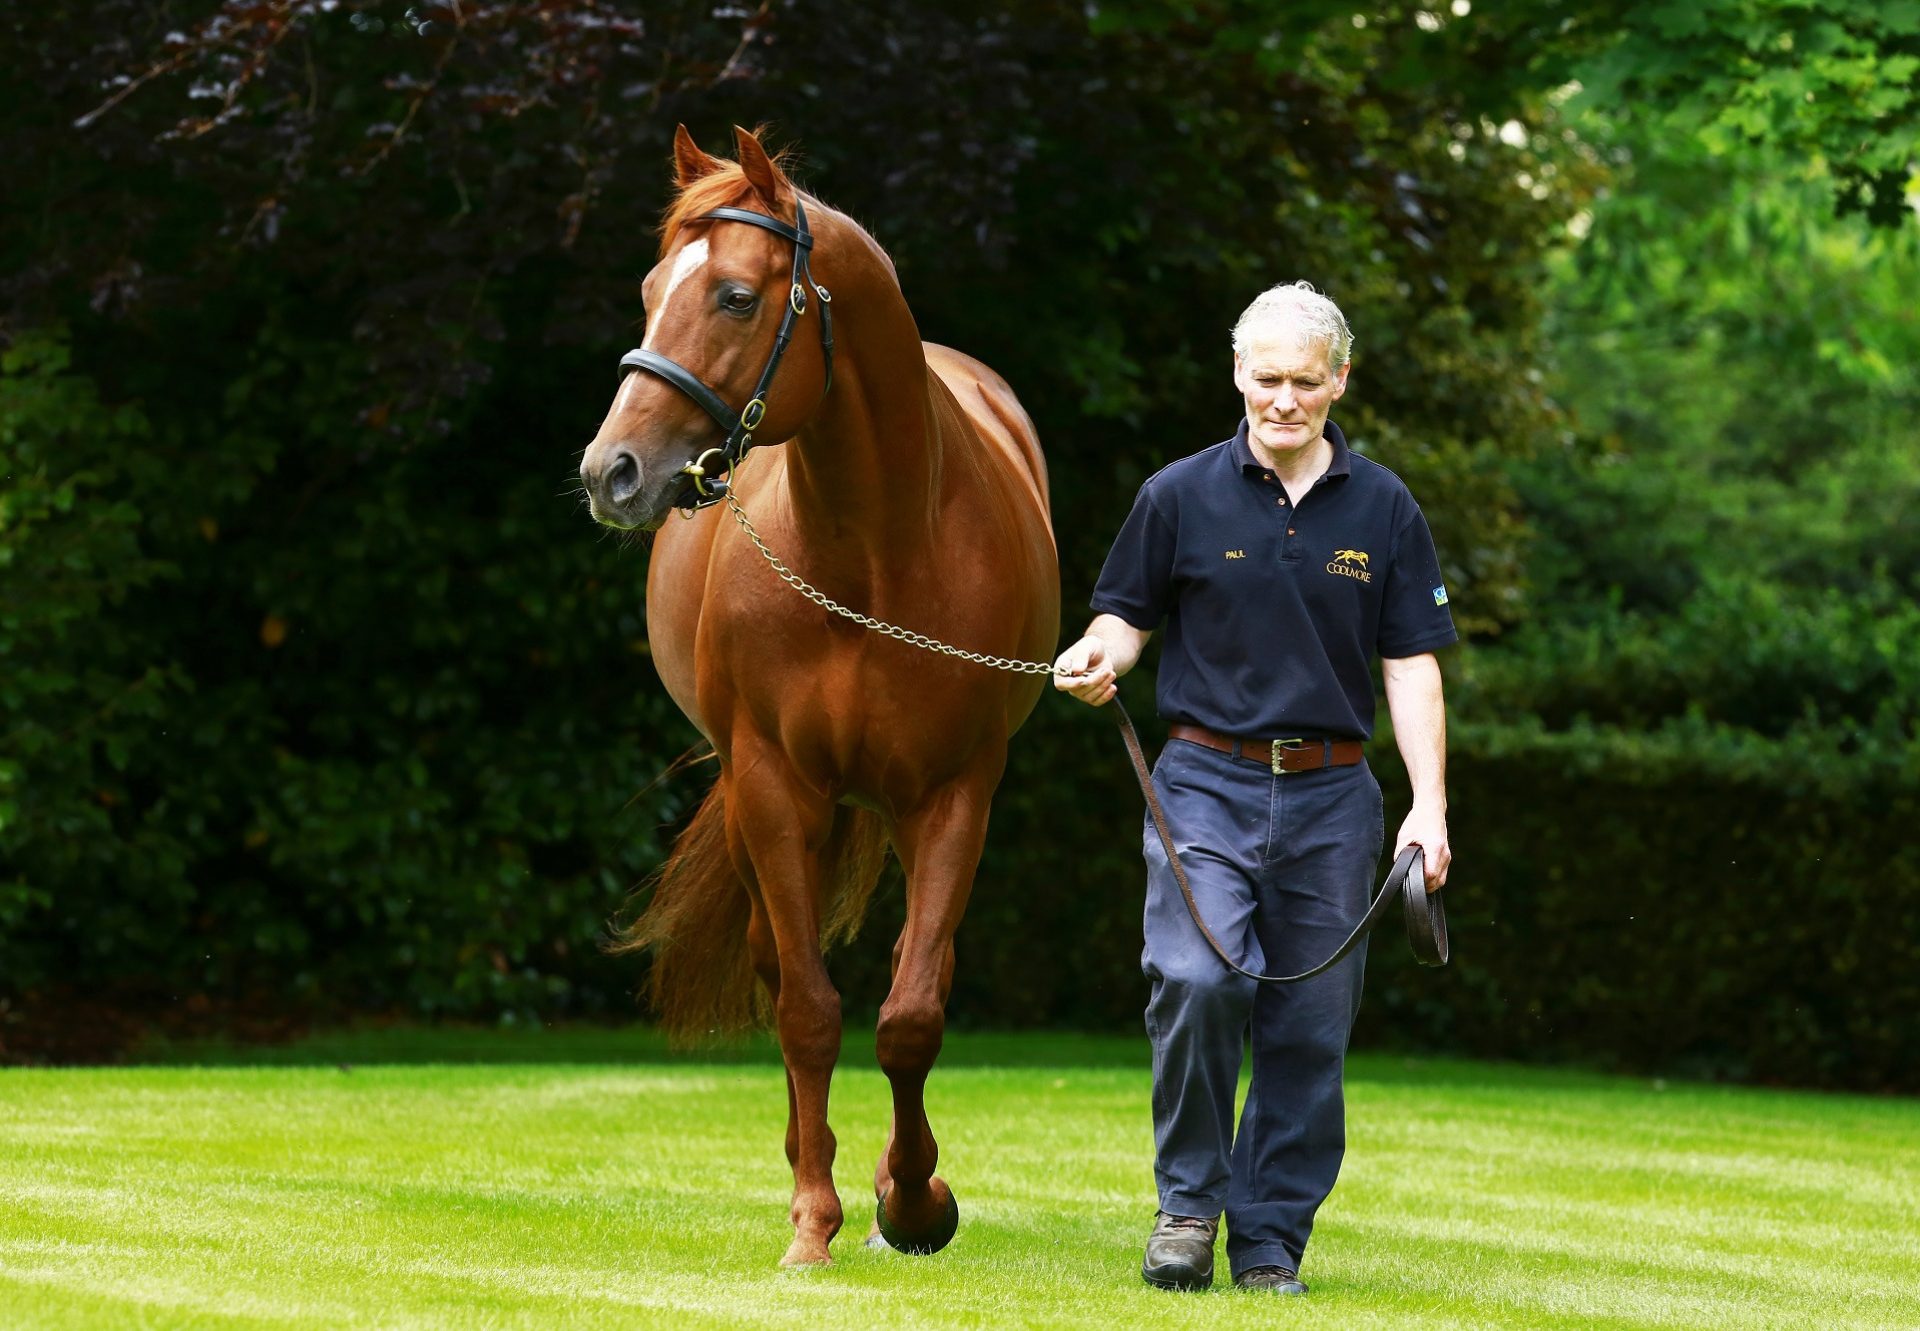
[689, 163]
[763, 173]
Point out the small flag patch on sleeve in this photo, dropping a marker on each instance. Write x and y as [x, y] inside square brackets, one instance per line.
[1439, 595]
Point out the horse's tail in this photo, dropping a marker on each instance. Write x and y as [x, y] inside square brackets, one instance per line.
[695, 923]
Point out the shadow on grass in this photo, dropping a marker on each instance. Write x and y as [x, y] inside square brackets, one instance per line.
[639, 1045]
[618, 1046]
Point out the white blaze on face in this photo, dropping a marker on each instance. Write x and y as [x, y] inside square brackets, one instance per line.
[686, 263]
[690, 260]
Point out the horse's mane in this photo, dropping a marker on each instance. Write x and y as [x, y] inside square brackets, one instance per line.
[722, 187]
[717, 189]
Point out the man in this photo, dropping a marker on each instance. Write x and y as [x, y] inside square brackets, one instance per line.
[1280, 563]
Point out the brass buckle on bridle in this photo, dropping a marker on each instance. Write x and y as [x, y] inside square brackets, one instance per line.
[708, 491]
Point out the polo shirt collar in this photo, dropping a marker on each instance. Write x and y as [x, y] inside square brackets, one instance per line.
[1341, 465]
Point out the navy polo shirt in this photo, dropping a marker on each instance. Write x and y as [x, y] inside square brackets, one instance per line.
[1274, 612]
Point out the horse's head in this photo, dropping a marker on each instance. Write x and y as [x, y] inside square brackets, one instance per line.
[715, 303]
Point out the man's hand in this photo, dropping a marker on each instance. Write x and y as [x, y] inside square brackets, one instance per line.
[1426, 827]
[1088, 669]
[1085, 671]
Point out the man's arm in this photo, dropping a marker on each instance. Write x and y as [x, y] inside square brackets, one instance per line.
[1109, 649]
[1419, 712]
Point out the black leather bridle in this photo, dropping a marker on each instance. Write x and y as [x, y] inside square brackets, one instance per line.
[707, 487]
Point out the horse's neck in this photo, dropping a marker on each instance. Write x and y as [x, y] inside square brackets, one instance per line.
[868, 466]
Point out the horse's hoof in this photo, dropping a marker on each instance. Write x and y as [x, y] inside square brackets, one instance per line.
[876, 1242]
[806, 1255]
[931, 1240]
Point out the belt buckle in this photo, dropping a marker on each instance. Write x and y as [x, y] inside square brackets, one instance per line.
[1281, 746]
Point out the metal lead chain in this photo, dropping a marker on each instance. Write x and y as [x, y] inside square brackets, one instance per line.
[825, 602]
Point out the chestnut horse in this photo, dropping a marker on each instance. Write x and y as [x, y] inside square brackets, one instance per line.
[905, 482]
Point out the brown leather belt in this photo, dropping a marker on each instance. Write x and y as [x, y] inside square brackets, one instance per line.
[1279, 755]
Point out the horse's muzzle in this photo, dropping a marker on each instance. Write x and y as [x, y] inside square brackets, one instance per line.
[626, 494]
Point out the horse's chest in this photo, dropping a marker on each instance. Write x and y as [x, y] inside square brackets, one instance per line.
[851, 703]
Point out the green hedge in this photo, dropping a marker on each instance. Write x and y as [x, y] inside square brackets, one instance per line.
[381, 765]
[1682, 901]
[1668, 902]
[396, 807]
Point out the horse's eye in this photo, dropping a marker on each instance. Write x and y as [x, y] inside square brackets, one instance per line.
[739, 302]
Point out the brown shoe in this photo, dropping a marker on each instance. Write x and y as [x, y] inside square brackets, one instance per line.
[1271, 1280]
[1180, 1252]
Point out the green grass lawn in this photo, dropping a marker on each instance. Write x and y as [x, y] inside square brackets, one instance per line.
[588, 1179]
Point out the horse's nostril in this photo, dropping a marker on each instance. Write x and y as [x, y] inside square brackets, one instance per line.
[623, 478]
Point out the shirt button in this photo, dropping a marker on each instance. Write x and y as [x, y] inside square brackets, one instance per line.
[1289, 531]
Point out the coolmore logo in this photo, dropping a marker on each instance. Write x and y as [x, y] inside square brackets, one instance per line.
[1350, 564]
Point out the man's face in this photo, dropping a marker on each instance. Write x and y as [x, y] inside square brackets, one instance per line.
[1289, 385]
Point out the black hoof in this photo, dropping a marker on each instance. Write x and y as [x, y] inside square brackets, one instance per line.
[920, 1245]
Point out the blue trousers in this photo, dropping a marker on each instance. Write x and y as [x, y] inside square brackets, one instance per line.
[1282, 868]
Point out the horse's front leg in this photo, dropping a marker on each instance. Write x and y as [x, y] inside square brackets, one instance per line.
[939, 845]
[780, 828]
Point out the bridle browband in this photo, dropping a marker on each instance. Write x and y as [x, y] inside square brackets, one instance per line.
[707, 488]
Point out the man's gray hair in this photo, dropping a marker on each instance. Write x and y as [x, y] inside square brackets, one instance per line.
[1296, 305]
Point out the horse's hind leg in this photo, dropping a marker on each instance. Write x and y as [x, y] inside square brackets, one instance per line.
[939, 846]
[780, 832]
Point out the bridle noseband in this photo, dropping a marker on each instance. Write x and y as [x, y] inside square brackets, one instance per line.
[707, 488]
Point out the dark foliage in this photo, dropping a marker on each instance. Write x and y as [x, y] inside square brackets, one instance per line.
[314, 681]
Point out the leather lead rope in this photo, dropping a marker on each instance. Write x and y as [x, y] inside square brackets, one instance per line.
[1425, 914]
